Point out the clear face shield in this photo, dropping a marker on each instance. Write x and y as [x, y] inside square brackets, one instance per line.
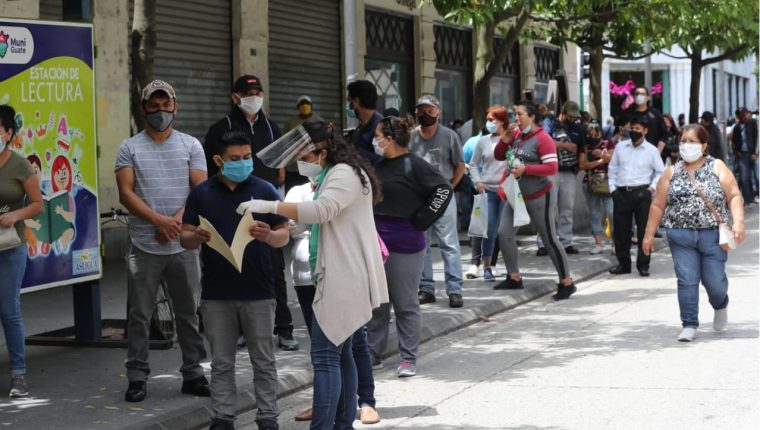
[287, 148]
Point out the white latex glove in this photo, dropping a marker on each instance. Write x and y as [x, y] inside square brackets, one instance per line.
[258, 207]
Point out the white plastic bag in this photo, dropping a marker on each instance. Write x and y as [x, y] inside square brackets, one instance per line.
[516, 201]
[479, 217]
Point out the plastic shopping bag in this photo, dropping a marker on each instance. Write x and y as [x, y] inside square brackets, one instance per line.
[516, 201]
[479, 218]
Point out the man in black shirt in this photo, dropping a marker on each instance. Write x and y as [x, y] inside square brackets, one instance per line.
[361, 103]
[716, 137]
[247, 117]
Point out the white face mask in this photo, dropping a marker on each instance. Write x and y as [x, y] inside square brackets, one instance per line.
[640, 99]
[690, 152]
[309, 170]
[251, 104]
[379, 150]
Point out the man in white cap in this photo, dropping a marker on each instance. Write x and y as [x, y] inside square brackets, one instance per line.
[441, 147]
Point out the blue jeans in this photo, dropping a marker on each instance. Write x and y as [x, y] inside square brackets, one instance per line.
[599, 206]
[12, 267]
[698, 257]
[363, 362]
[335, 382]
[744, 161]
[445, 229]
[495, 207]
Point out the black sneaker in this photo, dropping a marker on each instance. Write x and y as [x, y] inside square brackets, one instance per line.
[455, 301]
[136, 392]
[197, 387]
[220, 424]
[267, 424]
[426, 297]
[509, 284]
[571, 250]
[564, 292]
[542, 252]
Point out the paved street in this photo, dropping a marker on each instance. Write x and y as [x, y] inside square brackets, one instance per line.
[608, 358]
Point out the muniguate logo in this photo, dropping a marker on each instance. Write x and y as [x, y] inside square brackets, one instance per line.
[16, 45]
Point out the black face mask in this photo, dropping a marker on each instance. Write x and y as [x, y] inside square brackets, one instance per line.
[635, 136]
[426, 120]
[593, 141]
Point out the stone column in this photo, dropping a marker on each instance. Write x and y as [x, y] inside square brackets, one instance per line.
[20, 9]
[111, 33]
[426, 60]
[250, 41]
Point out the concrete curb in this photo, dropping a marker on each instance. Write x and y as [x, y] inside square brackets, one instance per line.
[437, 320]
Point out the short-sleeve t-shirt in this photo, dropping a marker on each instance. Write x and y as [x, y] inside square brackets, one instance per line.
[13, 174]
[162, 181]
[214, 201]
[443, 150]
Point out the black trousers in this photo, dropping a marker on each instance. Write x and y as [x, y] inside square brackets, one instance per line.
[630, 204]
[283, 320]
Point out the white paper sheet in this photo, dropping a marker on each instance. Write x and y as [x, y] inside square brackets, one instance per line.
[234, 253]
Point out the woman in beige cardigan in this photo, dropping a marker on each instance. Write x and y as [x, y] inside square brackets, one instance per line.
[346, 263]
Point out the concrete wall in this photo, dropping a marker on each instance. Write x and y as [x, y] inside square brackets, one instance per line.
[111, 20]
[250, 41]
[20, 9]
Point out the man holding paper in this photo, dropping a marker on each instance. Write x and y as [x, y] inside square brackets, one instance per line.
[238, 279]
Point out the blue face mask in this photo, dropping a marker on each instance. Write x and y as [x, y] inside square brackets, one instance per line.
[491, 127]
[350, 112]
[237, 171]
[526, 130]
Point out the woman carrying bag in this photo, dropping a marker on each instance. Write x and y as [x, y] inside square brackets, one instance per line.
[18, 185]
[595, 161]
[692, 199]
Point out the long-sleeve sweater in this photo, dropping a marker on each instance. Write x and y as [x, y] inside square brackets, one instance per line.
[538, 152]
[484, 167]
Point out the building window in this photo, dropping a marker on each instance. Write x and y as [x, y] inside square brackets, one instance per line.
[505, 85]
[453, 52]
[389, 63]
[547, 64]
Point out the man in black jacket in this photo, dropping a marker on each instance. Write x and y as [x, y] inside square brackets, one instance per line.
[246, 116]
[717, 150]
[744, 143]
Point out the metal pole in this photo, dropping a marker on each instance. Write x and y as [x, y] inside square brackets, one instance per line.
[648, 66]
[349, 47]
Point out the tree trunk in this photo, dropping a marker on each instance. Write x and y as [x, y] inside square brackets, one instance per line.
[142, 56]
[481, 92]
[696, 78]
[595, 69]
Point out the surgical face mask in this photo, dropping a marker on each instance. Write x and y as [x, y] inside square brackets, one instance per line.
[160, 120]
[251, 104]
[304, 109]
[491, 127]
[2, 146]
[310, 170]
[379, 150]
[350, 111]
[635, 135]
[640, 99]
[237, 171]
[690, 152]
[526, 130]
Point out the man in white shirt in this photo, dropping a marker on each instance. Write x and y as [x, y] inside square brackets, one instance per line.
[634, 170]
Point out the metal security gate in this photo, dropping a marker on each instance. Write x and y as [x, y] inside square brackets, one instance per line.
[453, 71]
[194, 53]
[305, 58]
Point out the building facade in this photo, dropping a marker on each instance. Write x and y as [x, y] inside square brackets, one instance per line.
[311, 47]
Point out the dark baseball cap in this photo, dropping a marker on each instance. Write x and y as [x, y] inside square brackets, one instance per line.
[428, 100]
[247, 83]
[571, 108]
[707, 116]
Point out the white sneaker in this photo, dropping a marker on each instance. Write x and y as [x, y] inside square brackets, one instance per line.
[597, 249]
[472, 273]
[495, 272]
[687, 334]
[720, 319]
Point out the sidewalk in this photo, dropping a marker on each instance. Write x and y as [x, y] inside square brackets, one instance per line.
[83, 388]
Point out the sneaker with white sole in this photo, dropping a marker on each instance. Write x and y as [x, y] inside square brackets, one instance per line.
[19, 387]
[495, 272]
[687, 334]
[406, 369]
[488, 275]
[720, 319]
[472, 273]
[596, 250]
